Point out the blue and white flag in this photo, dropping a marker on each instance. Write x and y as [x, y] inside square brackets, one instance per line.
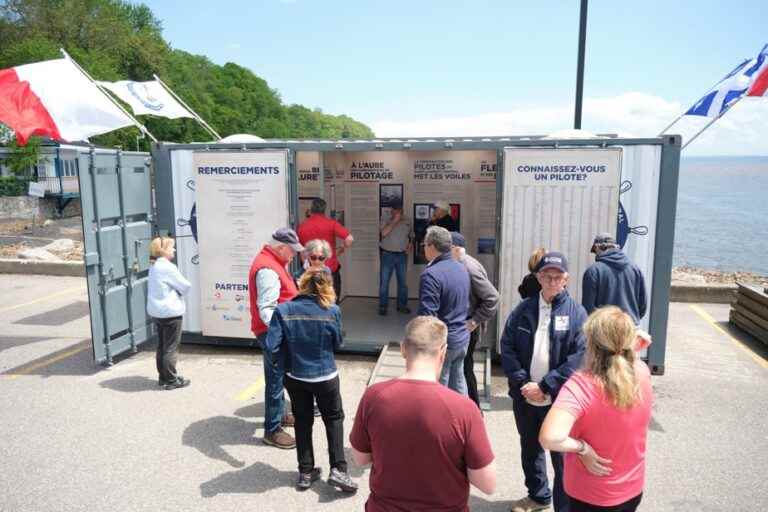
[147, 98]
[725, 93]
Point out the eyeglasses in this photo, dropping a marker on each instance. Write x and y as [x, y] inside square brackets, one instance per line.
[552, 278]
[315, 257]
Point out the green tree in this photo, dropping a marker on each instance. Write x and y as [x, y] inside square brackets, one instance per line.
[117, 40]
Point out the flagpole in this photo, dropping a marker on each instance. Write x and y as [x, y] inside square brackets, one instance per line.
[84, 72]
[729, 107]
[197, 116]
[684, 111]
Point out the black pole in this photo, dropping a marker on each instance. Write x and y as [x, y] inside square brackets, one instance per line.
[580, 69]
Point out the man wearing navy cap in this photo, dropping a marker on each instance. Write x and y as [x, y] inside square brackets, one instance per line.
[541, 346]
[613, 280]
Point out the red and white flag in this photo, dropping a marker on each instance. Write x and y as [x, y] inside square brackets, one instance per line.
[55, 99]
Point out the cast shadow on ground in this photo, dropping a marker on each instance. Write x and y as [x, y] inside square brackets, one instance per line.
[131, 384]
[260, 477]
[500, 403]
[70, 360]
[758, 348]
[211, 435]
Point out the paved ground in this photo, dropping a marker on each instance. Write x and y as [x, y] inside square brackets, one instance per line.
[76, 437]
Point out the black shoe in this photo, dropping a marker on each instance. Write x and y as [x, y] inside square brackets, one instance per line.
[342, 481]
[305, 479]
[180, 382]
[382, 312]
[404, 309]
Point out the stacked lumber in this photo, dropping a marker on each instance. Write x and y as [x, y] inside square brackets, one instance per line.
[750, 311]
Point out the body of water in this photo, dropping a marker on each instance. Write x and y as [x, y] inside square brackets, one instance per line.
[722, 214]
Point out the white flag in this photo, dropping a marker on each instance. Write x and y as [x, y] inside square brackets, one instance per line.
[147, 98]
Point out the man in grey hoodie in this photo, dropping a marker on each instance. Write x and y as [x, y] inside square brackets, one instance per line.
[613, 280]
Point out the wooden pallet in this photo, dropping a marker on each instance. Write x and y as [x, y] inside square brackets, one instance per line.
[750, 311]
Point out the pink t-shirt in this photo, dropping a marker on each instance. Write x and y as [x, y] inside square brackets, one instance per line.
[615, 434]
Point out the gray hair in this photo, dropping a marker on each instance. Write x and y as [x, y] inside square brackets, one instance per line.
[425, 336]
[439, 238]
[314, 245]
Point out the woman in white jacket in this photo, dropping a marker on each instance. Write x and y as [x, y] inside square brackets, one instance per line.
[166, 306]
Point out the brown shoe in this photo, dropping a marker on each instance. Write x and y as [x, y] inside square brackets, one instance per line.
[528, 504]
[288, 420]
[280, 439]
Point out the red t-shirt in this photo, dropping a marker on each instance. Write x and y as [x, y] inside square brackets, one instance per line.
[422, 437]
[616, 434]
[324, 228]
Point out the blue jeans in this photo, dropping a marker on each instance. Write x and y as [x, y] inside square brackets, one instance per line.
[393, 261]
[274, 396]
[452, 374]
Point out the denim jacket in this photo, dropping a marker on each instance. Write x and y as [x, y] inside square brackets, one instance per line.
[302, 337]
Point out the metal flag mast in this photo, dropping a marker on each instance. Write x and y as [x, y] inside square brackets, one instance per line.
[85, 73]
[727, 108]
[195, 114]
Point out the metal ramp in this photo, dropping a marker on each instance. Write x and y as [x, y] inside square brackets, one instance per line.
[391, 365]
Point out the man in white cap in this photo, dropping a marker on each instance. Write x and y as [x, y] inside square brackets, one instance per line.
[442, 216]
[270, 284]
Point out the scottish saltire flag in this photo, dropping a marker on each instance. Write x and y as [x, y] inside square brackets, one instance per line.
[728, 90]
[733, 86]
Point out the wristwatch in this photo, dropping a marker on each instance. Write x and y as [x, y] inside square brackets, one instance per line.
[583, 450]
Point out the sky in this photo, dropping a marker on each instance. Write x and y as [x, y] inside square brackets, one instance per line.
[425, 68]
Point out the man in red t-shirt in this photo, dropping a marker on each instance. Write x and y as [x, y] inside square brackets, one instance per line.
[426, 442]
[324, 228]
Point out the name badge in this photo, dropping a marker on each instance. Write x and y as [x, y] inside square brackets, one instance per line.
[561, 323]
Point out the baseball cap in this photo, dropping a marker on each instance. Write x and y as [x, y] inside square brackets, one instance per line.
[443, 205]
[553, 260]
[603, 239]
[288, 237]
[458, 240]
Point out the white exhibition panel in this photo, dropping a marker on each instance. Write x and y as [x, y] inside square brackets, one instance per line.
[359, 186]
[242, 198]
[187, 252]
[558, 199]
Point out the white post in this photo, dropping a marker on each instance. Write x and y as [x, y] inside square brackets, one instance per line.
[199, 119]
[85, 73]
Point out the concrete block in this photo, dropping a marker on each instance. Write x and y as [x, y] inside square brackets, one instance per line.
[705, 293]
[48, 268]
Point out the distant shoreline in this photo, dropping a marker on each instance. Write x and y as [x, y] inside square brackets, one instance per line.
[694, 275]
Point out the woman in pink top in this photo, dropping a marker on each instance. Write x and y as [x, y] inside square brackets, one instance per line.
[600, 418]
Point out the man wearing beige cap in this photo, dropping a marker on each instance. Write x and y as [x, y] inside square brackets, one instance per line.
[442, 216]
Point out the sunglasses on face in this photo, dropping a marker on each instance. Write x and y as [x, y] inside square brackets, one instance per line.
[315, 257]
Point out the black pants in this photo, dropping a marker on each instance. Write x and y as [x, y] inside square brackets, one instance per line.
[168, 339]
[469, 367]
[627, 506]
[337, 283]
[529, 419]
[328, 396]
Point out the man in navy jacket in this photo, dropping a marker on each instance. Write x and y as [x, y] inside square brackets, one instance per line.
[444, 293]
[541, 346]
[613, 280]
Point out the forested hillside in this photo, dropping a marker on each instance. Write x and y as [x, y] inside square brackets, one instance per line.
[115, 40]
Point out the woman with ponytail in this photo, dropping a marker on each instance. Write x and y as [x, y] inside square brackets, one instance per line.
[303, 335]
[604, 409]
